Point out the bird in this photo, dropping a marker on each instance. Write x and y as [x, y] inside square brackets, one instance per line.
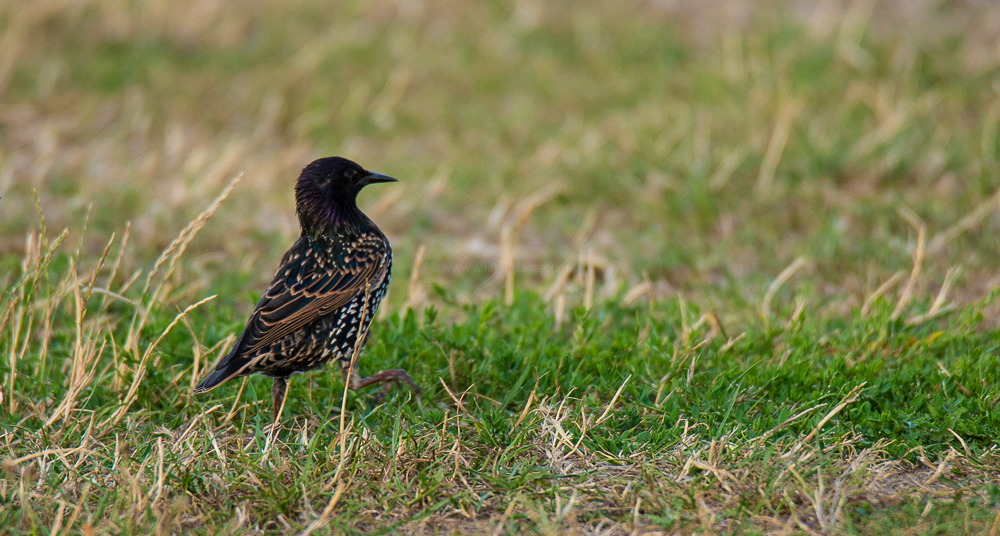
[324, 293]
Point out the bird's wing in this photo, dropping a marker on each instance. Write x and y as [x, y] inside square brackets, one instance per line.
[309, 284]
[307, 287]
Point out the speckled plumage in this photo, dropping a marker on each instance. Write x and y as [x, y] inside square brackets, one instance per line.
[326, 290]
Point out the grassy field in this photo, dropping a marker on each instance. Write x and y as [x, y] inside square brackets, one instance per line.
[661, 267]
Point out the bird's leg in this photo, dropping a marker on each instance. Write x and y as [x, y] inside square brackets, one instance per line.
[278, 394]
[388, 377]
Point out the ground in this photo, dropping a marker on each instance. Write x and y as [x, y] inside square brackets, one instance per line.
[661, 267]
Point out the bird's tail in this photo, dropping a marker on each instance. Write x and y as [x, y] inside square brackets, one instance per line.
[215, 379]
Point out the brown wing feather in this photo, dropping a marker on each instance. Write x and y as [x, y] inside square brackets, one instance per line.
[274, 325]
[309, 284]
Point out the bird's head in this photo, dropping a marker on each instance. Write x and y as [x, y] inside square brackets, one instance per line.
[327, 190]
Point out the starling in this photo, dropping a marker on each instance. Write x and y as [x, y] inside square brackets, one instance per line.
[324, 294]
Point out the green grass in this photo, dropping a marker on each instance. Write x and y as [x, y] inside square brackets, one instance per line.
[514, 406]
[755, 267]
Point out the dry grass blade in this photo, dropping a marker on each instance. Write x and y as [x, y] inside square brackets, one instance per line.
[726, 169]
[354, 363]
[223, 348]
[83, 356]
[949, 279]
[509, 233]
[940, 469]
[79, 506]
[79, 379]
[275, 426]
[458, 399]
[851, 397]
[116, 266]
[35, 266]
[611, 404]
[560, 311]
[772, 289]
[47, 452]
[637, 291]
[714, 327]
[141, 370]
[116, 296]
[887, 129]
[589, 280]
[506, 515]
[344, 426]
[731, 342]
[995, 528]
[779, 137]
[97, 269]
[560, 282]
[938, 308]
[12, 46]
[789, 421]
[15, 329]
[414, 291]
[968, 454]
[969, 221]
[918, 259]
[720, 474]
[524, 412]
[236, 401]
[177, 246]
[882, 289]
[324, 517]
[172, 253]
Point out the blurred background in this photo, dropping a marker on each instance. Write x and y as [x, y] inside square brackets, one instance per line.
[601, 149]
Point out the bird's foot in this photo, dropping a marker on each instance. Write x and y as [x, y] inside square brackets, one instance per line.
[388, 378]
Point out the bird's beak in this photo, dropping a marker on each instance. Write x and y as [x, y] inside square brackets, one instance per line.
[378, 177]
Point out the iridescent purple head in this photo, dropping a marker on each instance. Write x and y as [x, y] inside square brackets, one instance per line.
[327, 190]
